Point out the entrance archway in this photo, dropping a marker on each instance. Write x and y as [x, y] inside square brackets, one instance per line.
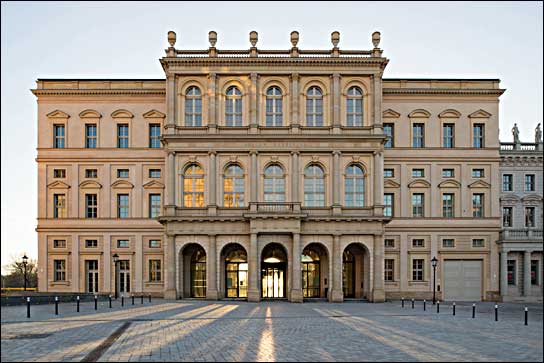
[355, 271]
[273, 272]
[194, 271]
[315, 268]
[235, 264]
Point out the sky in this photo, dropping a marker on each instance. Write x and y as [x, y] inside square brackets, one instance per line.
[125, 40]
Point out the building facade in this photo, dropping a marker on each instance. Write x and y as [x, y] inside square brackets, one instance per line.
[520, 243]
[258, 174]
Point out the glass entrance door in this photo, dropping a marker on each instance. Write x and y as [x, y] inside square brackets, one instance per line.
[236, 279]
[310, 279]
[124, 276]
[91, 272]
[198, 279]
[273, 281]
[348, 274]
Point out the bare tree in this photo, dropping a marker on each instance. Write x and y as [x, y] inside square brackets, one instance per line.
[15, 277]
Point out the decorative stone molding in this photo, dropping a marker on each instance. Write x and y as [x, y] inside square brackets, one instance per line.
[58, 114]
[154, 114]
[450, 183]
[449, 113]
[153, 184]
[480, 114]
[122, 114]
[90, 184]
[94, 92]
[390, 184]
[442, 91]
[419, 183]
[389, 113]
[58, 185]
[479, 184]
[419, 113]
[122, 184]
[89, 114]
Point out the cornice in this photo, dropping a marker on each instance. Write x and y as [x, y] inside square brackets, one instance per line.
[442, 91]
[289, 61]
[92, 92]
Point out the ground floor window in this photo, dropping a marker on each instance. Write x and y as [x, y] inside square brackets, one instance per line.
[198, 273]
[91, 271]
[511, 268]
[534, 272]
[236, 275]
[389, 269]
[60, 270]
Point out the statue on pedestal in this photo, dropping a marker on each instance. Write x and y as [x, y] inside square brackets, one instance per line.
[515, 133]
[538, 134]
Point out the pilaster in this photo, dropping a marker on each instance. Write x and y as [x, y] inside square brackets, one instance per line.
[75, 263]
[211, 289]
[212, 105]
[336, 122]
[170, 184]
[295, 177]
[170, 268]
[295, 122]
[337, 295]
[170, 104]
[107, 264]
[212, 180]
[504, 274]
[378, 292]
[336, 182]
[378, 183]
[527, 273]
[253, 294]
[254, 180]
[296, 290]
[139, 261]
[253, 126]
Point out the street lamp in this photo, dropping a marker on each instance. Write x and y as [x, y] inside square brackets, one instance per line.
[434, 261]
[115, 261]
[25, 261]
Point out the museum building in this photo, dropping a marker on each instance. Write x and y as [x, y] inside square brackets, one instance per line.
[270, 174]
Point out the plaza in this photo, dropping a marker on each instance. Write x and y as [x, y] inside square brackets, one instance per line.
[196, 330]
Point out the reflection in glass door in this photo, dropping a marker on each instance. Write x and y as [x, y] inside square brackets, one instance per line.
[310, 279]
[348, 274]
[198, 273]
[91, 267]
[236, 279]
[273, 283]
[124, 276]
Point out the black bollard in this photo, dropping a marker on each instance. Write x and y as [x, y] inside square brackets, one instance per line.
[402, 299]
[424, 305]
[142, 298]
[496, 312]
[56, 305]
[110, 300]
[454, 308]
[149, 297]
[438, 306]
[122, 301]
[77, 303]
[412, 303]
[28, 307]
[95, 302]
[473, 311]
[132, 299]
[526, 313]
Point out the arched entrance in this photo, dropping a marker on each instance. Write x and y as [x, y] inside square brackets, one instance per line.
[355, 271]
[194, 271]
[273, 272]
[235, 271]
[314, 266]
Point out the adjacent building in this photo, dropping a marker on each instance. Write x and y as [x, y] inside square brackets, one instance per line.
[270, 174]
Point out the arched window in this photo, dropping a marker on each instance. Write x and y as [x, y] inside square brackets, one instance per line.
[314, 107]
[233, 107]
[193, 107]
[274, 184]
[193, 186]
[354, 186]
[233, 186]
[354, 107]
[314, 186]
[274, 115]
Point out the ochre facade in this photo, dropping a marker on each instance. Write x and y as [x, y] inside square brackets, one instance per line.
[273, 170]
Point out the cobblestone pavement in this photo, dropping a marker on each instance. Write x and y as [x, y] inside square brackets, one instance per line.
[192, 330]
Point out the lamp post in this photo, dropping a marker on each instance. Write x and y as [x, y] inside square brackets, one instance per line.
[115, 262]
[434, 261]
[25, 261]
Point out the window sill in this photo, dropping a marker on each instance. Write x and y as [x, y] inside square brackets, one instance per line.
[60, 283]
[153, 282]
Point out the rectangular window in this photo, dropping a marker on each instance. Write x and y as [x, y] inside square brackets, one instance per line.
[418, 204]
[154, 270]
[389, 131]
[122, 173]
[418, 135]
[91, 173]
[59, 243]
[507, 182]
[154, 205]
[530, 183]
[122, 243]
[122, 136]
[478, 136]
[389, 269]
[388, 173]
[91, 243]
[154, 243]
[417, 270]
[448, 136]
[448, 242]
[477, 173]
[478, 242]
[529, 216]
[418, 242]
[448, 205]
[154, 173]
[448, 173]
[388, 204]
[507, 216]
[60, 270]
[90, 136]
[122, 205]
[59, 206]
[418, 173]
[58, 136]
[154, 135]
[59, 173]
[91, 206]
[389, 243]
[511, 264]
[534, 272]
[477, 205]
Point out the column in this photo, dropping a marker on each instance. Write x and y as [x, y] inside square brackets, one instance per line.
[74, 213]
[253, 188]
[253, 295]
[139, 265]
[211, 267]
[212, 180]
[107, 278]
[75, 263]
[253, 104]
[336, 182]
[336, 103]
[171, 172]
[212, 105]
[504, 274]
[295, 177]
[527, 273]
[170, 267]
[295, 123]
[378, 183]
[377, 86]
[378, 292]
[296, 271]
[337, 295]
[170, 104]
[403, 263]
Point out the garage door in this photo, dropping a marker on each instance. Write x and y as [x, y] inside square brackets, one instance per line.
[463, 280]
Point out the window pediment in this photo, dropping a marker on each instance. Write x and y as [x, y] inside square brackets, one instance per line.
[153, 184]
[390, 113]
[122, 113]
[390, 184]
[58, 114]
[449, 113]
[479, 184]
[510, 199]
[90, 184]
[89, 114]
[450, 183]
[122, 184]
[58, 185]
[419, 183]
[419, 113]
[154, 114]
[531, 198]
[480, 114]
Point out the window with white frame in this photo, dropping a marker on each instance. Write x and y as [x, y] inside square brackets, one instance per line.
[122, 243]
[122, 136]
[388, 173]
[418, 135]
[314, 107]
[477, 205]
[91, 173]
[448, 141]
[389, 131]
[507, 216]
[448, 173]
[354, 186]
[155, 270]
[274, 107]
[448, 243]
[233, 186]
[90, 136]
[154, 173]
[418, 242]
[58, 136]
[507, 182]
[233, 107]
[418, 205]
[530, 216]
[193, 186]
[354, 107]
[530, 182]
[193, 107]
[478, 242]
[274, 184]
[91, 243]
[91, 206]
[122, 206]
[388, 204]
[417, 269]
[59, 243]
[314, 186]
[478, 136]
[448, 205]
[59, 173]
[154, 136]
[60, 270]
[154, 205]
[389, 269]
